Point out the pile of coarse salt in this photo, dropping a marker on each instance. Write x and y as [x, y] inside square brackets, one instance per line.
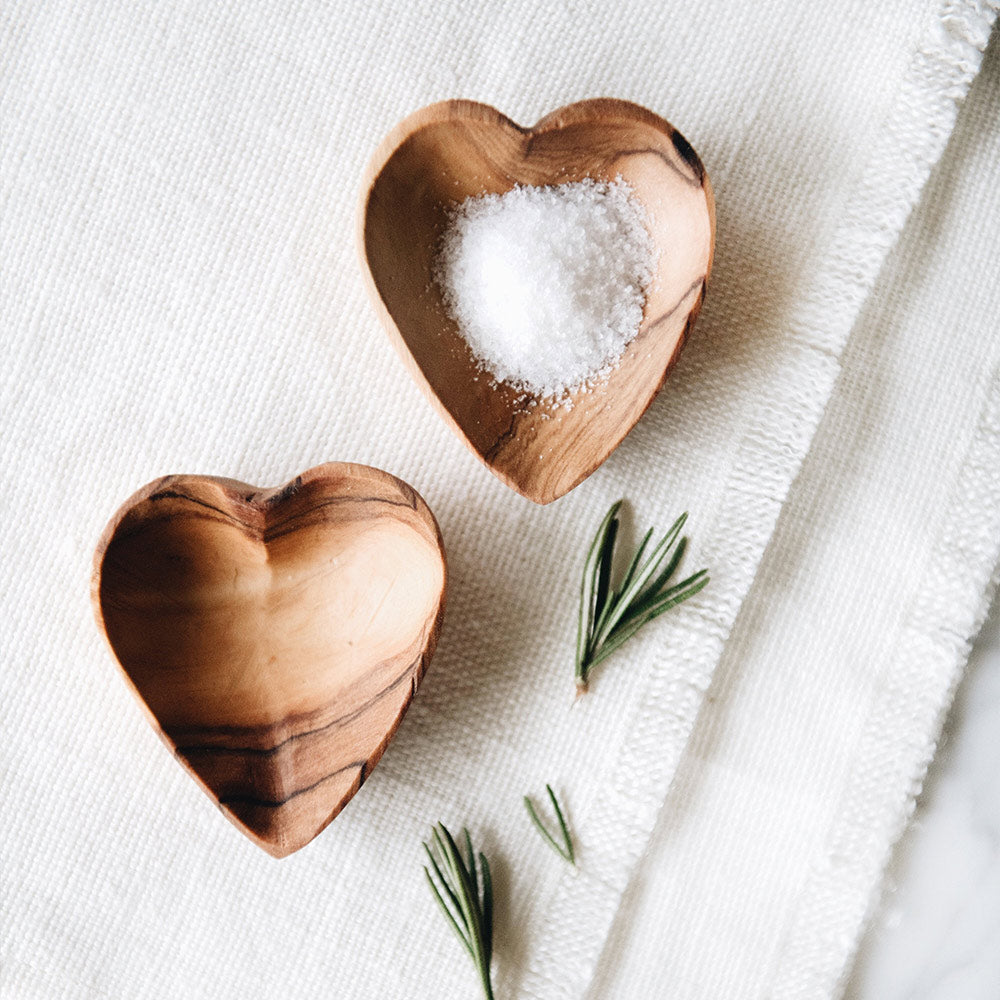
[548, 284]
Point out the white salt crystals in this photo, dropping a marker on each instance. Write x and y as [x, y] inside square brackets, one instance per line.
[548, 284]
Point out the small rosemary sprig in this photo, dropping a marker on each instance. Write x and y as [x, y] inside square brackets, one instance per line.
[564, 849]
[471, 911]
[610, 616]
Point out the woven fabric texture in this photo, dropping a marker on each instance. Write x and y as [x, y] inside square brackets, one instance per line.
[180, 293]
[824, 712]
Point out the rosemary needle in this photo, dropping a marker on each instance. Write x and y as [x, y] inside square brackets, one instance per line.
[564, 849]
[609, 616]
[469, 906]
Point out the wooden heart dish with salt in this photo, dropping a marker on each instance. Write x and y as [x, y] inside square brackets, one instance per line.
[275, 637]
[541, 445]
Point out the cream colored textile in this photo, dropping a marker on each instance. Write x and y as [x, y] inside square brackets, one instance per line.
[828, 700]
[180, 293]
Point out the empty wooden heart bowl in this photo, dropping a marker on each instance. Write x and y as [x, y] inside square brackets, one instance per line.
[275, 637]
[447, 152]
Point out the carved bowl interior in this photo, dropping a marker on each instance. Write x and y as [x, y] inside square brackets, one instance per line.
[275, 637]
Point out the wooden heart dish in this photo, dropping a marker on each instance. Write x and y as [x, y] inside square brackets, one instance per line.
[275, 637]
[439, 156]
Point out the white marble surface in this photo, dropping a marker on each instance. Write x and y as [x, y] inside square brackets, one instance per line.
[936, 934]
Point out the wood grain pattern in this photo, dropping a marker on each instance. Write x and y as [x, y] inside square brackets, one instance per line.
[446, 152]
[275, 637]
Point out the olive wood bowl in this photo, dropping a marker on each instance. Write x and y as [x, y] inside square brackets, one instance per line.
[274, 637]
[446, 152]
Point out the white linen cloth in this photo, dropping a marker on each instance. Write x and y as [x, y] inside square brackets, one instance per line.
[827, 703]
[180, 294]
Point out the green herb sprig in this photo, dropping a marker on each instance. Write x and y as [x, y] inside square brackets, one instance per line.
[609, 616]
[563, 849]
[470, 912]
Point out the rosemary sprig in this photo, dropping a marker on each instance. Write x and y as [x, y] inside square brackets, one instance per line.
[564, 849]
[609, 616]
[470, 912]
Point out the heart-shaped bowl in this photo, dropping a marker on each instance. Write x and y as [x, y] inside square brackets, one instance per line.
[437, 157]
[275, 637]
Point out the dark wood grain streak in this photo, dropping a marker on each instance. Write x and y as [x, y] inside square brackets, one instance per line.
[262, 733]
[251, 800]
[666, 317]
[274, 529]
[692, 177]
[503, 438]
